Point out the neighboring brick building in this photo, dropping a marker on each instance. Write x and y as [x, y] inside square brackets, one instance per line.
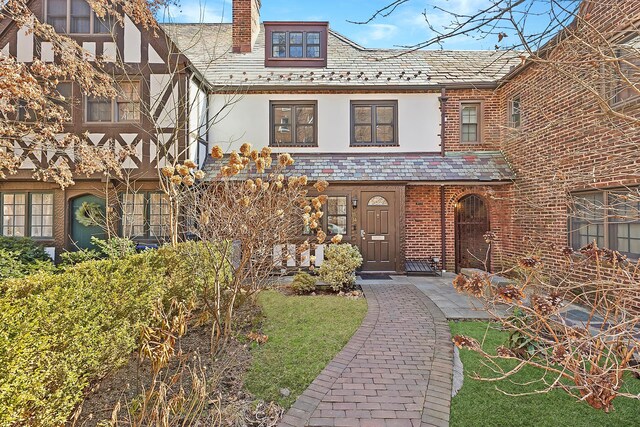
[575, 148]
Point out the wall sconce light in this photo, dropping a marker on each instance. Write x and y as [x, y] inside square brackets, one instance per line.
[354, 202]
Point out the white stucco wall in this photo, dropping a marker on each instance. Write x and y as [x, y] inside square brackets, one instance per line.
[247, 120]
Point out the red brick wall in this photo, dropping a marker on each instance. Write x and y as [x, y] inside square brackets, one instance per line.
[490, 118]
[567, 140]
[423, 220]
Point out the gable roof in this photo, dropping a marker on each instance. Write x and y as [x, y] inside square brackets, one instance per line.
[208, 46]
[483, 166]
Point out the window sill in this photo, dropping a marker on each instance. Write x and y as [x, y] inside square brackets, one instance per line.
[359, 144]
[293, 145]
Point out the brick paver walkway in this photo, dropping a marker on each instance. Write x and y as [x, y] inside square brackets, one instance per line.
[395, 371]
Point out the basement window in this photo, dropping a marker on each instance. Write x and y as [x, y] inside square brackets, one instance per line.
[296, 44]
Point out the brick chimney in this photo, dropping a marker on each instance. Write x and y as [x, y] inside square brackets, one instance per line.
[246, 24]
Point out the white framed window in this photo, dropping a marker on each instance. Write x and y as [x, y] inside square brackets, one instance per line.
[470, 113]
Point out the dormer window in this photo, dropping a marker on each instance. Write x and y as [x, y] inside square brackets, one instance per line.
[296, 44]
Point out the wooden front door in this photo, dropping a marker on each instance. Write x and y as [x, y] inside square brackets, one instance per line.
[472, 222]
[80, 233]
[378, 235]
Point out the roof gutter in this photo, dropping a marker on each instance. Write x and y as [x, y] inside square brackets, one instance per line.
[247, 88]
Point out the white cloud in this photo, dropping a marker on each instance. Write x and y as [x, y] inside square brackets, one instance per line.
[377, 32]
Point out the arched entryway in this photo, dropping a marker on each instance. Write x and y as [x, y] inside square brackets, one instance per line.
[80, 234]
[472, 222]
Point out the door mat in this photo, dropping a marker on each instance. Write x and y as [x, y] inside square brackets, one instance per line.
[375, 277]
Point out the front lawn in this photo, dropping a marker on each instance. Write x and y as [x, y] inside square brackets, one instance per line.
[305, 333]
[479, 403]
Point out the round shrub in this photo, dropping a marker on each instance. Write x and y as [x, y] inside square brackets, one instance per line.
[339, 266]
[303, 283]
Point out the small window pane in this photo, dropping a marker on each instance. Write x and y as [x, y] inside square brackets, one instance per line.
[14, 211]
[313, 38]
[385, 134]
[362, 115]
[279, 38]
[98, 109]
[279, 51]
[470, 114]
[283, 134]
[313, 51]
[159, 215]
[469, 132]
[102, 25]
[42, 215]
[384, 115]
[295, 38]
[337, 215]
[64, 96]
[295, 51]
[128, 102]
[304, 135]
[80, 17]
[515, 112]
[133, 215]
[57, 15]
[363, 133]
[304, 115]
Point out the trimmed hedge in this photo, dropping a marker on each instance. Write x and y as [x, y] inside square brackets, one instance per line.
[59, 332]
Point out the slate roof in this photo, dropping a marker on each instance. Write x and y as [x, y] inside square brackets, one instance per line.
[208, 47]
[486, 166]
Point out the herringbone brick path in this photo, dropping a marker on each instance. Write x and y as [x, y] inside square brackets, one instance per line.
[395, 371]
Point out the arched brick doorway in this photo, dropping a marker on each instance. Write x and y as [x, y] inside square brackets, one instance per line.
[472, 222]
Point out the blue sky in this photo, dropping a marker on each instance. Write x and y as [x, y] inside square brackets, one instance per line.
[405, 27]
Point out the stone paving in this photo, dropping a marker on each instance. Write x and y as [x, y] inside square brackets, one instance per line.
[395, 371]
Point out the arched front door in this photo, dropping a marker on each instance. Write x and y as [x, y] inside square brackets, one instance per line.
[472, 222]
[81, 233]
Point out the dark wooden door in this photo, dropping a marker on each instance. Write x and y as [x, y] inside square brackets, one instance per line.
[378, 236]
[472, 222]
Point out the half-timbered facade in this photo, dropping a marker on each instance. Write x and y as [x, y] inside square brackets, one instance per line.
[159, 115]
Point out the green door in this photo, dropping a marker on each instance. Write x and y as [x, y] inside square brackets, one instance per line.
[81, 233]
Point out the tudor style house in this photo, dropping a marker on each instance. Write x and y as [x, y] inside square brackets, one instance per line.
[425, 151]
[149, 116]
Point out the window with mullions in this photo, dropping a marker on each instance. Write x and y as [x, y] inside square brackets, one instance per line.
[470, 122]
[335, 219]
[610, 218]
[295, 44]
[145, 215]
[14, 215]
[293, 124]
[76, 17]
[374, 123]
[587, 220]
[27, 214]
[41, 215]
[133, 215]
[514, 112]
[159, 215]
[125, 107]
[625, 75]
[337, 215]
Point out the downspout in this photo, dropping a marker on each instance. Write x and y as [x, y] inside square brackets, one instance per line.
[443, 120]
[443, 228]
